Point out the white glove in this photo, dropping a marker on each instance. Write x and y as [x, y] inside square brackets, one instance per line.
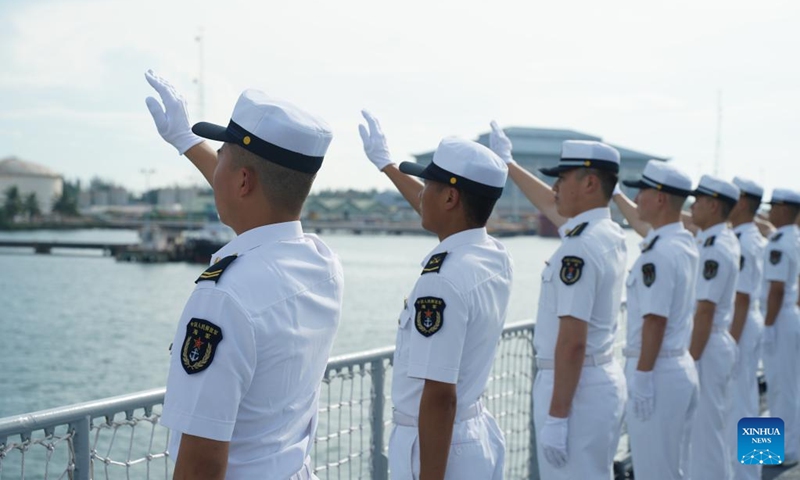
[375, 142]
[617, 190]
[172, 124]
[500, 143]
[553, 439]
[643, 395]
[769, 339]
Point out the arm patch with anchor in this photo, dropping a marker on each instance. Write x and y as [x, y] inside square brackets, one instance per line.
[434, 264]
[214, 272]
[200, 345]
[429, 316]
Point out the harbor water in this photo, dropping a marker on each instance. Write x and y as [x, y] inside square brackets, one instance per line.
[77, 325]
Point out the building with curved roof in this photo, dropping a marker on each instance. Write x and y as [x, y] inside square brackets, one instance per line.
[29, 178]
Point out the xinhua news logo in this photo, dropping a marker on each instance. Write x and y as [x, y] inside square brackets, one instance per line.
[760, 441]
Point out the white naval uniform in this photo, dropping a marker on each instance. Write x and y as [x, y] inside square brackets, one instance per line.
[471, 285]
[276, 309]
[744, 384]
[782, 264]
[596, 414]
[662, 282]
[716, 282]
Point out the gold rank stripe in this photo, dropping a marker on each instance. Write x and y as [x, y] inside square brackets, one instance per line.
[209, 275]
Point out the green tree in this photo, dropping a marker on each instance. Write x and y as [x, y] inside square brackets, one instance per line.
[31, 206]
[13, 205]
[67, 203]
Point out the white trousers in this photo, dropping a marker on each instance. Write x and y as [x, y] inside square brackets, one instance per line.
[477, 451]
[744, 392]
[710, 451]
[660, 444]
[782, 372]
[594, 422]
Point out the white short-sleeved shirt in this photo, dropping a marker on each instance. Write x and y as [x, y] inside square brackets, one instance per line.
[452, 320]
[782, 263]
[751, 262]
[251, 349]
[583, 279]
[718, 271]
[662, 282]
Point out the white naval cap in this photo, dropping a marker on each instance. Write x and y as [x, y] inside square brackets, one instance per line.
[749, 187]
[464, 164]
[717, 188]
[781, 196]
[584, 154]
[275, 130]
[663, 177]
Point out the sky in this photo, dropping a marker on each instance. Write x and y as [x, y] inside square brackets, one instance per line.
[644, 75]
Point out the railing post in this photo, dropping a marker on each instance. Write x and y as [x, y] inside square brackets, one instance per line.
[380, 464]
[534, 460]
[80, 442]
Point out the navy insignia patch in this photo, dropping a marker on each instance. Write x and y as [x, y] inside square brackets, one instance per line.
[777, 236]
[200, 345]
[710, 241]
[741, 262]
[430, 315]
[650, 245]
[577, 230]
[434, 264]
[214, 272]
[648, 274]
[775, 256]
[710, 269]
[571, 268]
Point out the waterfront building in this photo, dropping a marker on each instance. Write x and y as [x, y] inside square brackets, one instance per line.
[30, 178]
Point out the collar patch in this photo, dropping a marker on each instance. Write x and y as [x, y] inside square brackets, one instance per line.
[214, 272]
[577, 230]
[434, 264]
[777, 236]
[710, 241]
[650, 245]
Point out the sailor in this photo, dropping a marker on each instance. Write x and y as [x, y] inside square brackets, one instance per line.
[579, 390]
[453, 318]
[748, 322]
[781, 337]
[712, 346]
[661, 376]
[253, 340]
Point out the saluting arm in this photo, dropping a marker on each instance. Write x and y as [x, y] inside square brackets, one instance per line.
[205, 159]
[740, 307]
[652, 336]
[703, 321]
[200, 457]
[407, 185]
[764, 226]
[437, 413]
[628, 209]
[688, 223]
[774, 302]
[569, 357]
[539, 193]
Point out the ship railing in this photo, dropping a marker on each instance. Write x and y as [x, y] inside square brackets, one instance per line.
[120, 437]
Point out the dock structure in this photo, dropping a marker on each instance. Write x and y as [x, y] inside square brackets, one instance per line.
[46, 247]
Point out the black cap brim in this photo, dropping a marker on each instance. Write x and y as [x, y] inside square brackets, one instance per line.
[556, 171]
[212, 131]
[636, 184]
[415, 169]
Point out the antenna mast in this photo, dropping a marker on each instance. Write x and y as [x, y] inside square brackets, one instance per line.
[718, 147]
[199, 80]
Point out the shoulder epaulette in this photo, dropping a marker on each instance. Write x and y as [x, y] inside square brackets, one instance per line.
[577, 230]
[710, 241]
[434, 264]
[777, 237]
[650, 245]
[739, 235]
[214, 272]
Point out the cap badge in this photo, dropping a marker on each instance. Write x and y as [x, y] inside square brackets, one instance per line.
[246, 140]
[587, 163]
[453, 180]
